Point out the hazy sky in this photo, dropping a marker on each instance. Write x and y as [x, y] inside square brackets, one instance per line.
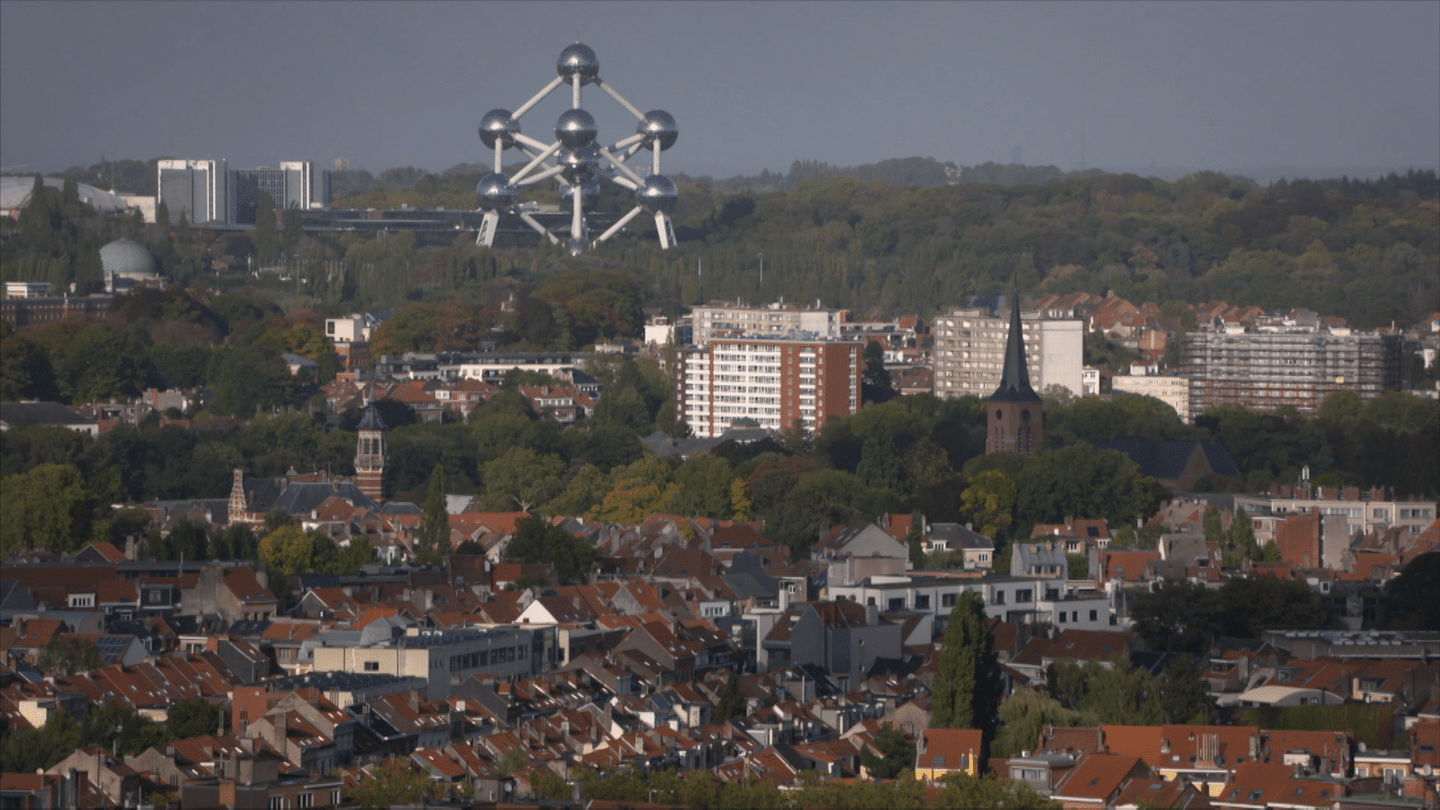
[1223, 85]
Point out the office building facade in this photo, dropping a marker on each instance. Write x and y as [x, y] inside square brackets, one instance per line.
[777, 382]
[296, 184]
[1299, 367]
[196, 188]
[969, 353]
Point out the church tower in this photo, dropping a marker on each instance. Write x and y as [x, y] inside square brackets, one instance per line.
[1015, 422]
[370, 454]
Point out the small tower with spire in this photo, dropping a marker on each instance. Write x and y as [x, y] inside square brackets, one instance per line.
[1015, 420]
[370, 454]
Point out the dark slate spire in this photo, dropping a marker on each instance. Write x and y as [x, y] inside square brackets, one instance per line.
[1015, 381]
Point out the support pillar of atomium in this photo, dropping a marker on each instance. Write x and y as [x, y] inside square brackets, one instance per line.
[577, 161]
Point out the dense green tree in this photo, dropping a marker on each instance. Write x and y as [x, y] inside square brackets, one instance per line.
[1023, 715]
[390, 784]
[522, 479]
[265, 237]
[968, 687]
[25, 369]
[47, 506]
[1179, 616]
[192, 718]
[732, 700]
[538, 541]
[67, 655]
[896, 755]
[432, 542]
[1410, 602]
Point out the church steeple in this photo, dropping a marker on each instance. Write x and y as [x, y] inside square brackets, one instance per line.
[1015, 379]
[1015, 421]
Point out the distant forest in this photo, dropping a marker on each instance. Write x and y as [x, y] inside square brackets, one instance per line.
[887, 238]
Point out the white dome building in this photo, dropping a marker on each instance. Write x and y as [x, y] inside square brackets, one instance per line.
[128, 264]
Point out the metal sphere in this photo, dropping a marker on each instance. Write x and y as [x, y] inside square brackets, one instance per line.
[577, 165]
[578, 60]
[576, 129]
[498, 124]
[658, 125]
[656, 194]
[495, 192]
[589, 194]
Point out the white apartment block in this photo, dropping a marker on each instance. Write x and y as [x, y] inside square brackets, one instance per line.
[1173, 391]
[777, 382]
[969, 353]
[773, 320]
[1045, 600]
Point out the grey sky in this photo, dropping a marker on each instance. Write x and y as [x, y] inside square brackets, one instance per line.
[1223, 85]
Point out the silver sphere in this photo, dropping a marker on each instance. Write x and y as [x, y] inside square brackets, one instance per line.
[576, 129]
[656, 194]
[498, 124]
[578, 60]
[495, 192]
[589, 194]
[658, 125]
[577, 165]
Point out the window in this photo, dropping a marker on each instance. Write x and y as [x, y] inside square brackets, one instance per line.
[1094, 615]
[947, 599]
[1024, 595]
[276, 803]
[335, 797]
[922, 601]
[372, 666]
[303, 801]
[897, 604]
[999, 597]
[1062, 617]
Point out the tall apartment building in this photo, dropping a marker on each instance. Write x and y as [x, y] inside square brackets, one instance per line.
[778, 382]
[773, 320]
[296, 184]
[196, 188]
[969, 353]
[1297, 366]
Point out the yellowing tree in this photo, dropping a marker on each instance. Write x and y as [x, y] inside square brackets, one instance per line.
[287, 550]
[989, 501]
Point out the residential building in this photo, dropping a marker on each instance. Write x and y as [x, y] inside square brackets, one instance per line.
[1148, 382]
[777, 382]
[969, 354]
[943, 751]
[195, 188]
[727, 320]
[1295, 366]
[442, 657]
[1366, 511]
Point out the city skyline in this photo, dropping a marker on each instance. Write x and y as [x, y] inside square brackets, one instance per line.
[1325, 88]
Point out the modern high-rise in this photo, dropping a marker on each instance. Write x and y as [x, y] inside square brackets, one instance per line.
[195, 188]
[296, 184]
[777, 382]
[725, 319]
[1296, 366]
[969, 353]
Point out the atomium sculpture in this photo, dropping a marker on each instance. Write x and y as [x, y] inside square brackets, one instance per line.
[577, 159]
